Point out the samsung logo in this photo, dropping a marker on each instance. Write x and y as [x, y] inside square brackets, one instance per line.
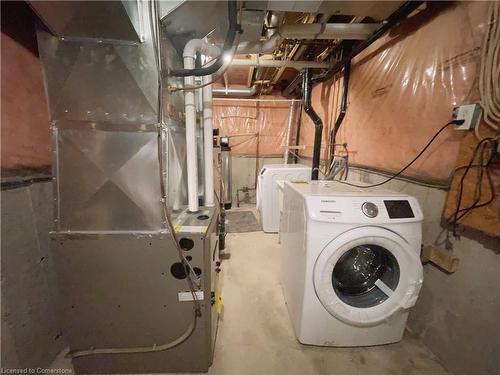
[328, 201]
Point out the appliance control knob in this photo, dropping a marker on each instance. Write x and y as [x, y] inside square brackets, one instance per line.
[369, 209]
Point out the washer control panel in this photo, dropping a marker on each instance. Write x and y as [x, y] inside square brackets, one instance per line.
[364, 209]
[370, 209]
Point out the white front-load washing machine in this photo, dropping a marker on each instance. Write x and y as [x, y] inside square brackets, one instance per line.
[350, 262]
[267, 191]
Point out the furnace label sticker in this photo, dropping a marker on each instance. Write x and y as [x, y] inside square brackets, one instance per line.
[191, 228]
[188, 296]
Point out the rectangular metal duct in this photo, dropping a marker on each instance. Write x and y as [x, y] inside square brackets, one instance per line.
[103, 82]
[378, 10]
[106, 20]
[103, 99]
[186, 20]
[194, 20]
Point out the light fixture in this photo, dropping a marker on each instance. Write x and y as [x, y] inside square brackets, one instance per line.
[227, 58]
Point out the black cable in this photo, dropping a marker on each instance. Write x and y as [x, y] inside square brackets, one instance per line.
[462, 212]
[452, 122]
[474, 206]
[462, 179]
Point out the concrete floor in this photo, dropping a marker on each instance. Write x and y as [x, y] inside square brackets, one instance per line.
[255, 334]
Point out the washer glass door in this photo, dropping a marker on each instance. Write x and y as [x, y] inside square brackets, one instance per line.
[365, 275]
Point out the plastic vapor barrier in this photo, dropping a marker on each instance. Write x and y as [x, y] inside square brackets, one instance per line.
[255, 126]
[403, 89]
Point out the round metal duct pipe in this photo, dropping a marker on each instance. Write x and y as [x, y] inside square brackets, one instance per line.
[233, 91]
[298, 65]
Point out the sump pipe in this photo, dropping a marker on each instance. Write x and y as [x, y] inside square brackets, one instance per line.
[318, 124]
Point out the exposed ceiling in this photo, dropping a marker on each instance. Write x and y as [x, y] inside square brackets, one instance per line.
[300, 12]
[264, 21]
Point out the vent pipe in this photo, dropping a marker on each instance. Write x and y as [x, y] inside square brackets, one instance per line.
[208, 141]
[189, 55]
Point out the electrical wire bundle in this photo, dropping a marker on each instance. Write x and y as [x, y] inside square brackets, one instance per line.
[485, 152]
[489, 76]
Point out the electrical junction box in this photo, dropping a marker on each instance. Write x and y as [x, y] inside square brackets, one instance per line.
[469, 113]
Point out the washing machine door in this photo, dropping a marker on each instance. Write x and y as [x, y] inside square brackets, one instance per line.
[366, 275]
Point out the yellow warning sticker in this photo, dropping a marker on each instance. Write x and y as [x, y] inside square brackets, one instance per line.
[218, 302]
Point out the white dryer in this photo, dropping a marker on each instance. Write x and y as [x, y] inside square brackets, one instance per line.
[350, 262]
[267, 191]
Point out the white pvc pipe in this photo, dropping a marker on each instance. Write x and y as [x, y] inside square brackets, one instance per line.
[192, 158]
[189, 55]
[208, 142]
[289, 131]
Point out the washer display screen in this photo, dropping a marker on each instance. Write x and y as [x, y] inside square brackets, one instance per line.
[399, 209]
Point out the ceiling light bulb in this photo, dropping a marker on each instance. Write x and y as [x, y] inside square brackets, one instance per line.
[227, 58]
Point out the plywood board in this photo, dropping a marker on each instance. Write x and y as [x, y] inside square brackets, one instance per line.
[486, 219]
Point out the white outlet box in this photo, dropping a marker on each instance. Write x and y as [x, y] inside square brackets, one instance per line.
[469, 113]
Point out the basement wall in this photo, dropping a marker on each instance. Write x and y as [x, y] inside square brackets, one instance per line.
[25, 118]
[455, 315]
[31, 336]
[402, 90]
[243, 174]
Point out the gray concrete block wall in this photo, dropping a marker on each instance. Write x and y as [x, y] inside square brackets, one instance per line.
[456, 316]
[243, 173]
[31, 335]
